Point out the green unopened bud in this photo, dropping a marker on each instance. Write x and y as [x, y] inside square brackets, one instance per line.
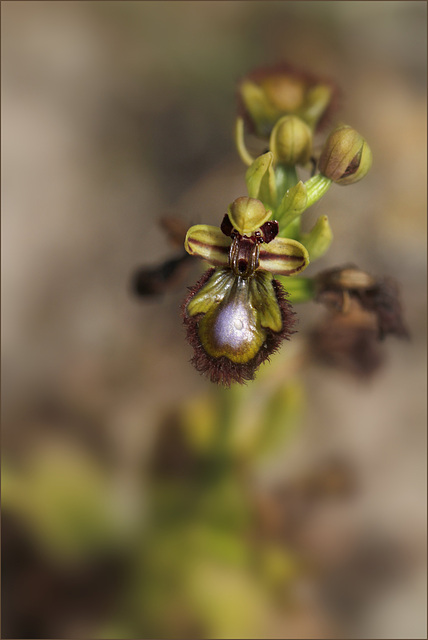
[291, 141]
[266, 95]
[260, 179]
[346, 156]
[292, 205]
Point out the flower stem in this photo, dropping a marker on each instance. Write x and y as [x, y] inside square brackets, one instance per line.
[316, 187]
[285, 178]
[299, 289]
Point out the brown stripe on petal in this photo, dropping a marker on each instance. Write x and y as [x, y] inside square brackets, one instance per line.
[204, 239]
[283, 256]
[266, 255]
[284, 265]
[213, 253]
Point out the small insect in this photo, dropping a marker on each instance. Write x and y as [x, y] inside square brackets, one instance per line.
[153, 281]
[237, 314]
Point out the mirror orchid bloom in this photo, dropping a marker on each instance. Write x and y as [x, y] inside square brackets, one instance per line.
[237, 315]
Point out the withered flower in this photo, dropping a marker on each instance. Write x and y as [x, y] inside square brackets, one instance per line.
[348, 341]
[363, 310]
[237, 314]
[267, 94]
[378, 296]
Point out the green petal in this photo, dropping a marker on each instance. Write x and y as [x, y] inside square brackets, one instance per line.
[283, 256]
[260, 179]
[264, 298]
[212, 293]
[209, 243]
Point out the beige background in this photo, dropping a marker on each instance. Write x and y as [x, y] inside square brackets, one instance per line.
[116, 113]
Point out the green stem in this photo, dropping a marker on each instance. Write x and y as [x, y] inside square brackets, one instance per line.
[285, 177]
[299, 289]
[225, 421]
[316, 187]
[292, 230]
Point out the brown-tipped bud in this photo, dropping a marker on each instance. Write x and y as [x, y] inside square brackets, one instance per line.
[291, 141]
[265, 95]
[284, 92]
[346, 157]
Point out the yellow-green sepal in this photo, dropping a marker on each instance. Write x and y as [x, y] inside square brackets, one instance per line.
[263, 113]
[260, 179]
[283, 256]
[316, 102]
[209, 243]
[212, 293]
[319, 239]
[247, 215]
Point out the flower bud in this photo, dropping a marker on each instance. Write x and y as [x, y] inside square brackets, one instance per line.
[291, 141]
[346, 157]
[260, 179]
[265, 95]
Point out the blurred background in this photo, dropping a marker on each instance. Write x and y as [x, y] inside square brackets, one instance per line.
[138, 500]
